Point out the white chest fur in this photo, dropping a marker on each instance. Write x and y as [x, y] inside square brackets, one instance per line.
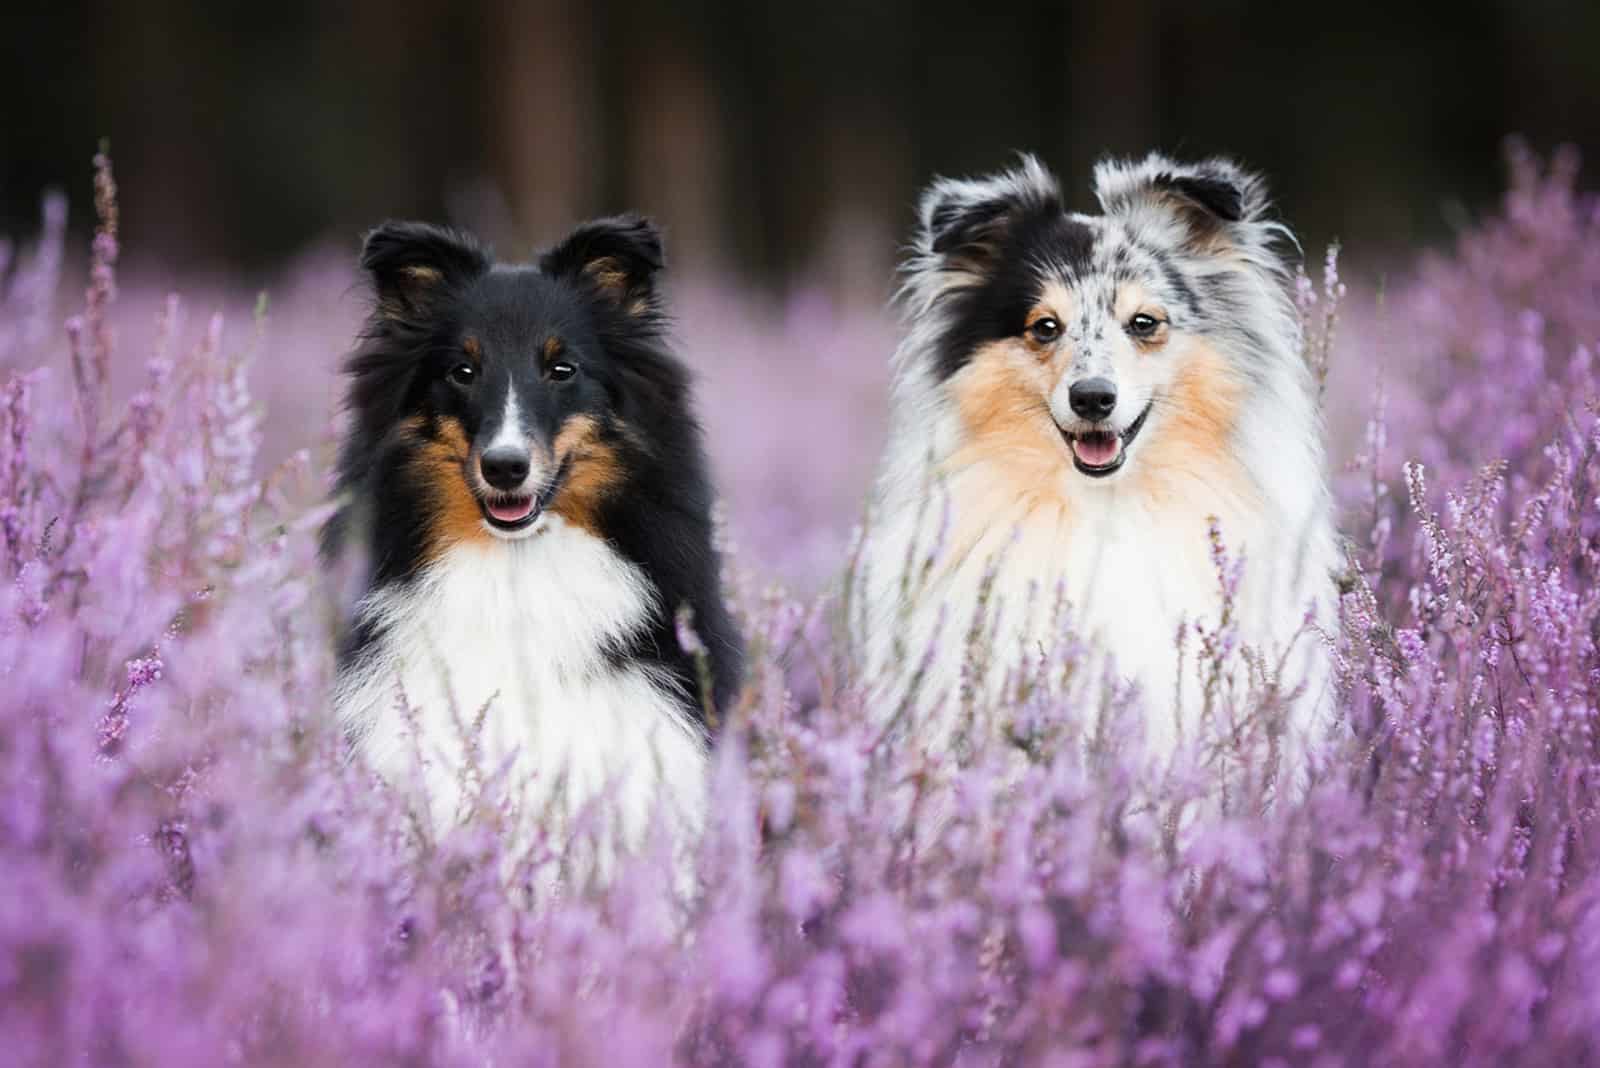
[1130, 569]
[495, 659]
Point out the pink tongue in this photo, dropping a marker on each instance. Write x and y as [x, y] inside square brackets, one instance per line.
[511, 511]
[1097, 450]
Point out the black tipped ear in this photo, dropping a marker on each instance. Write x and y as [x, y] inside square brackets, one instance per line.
[412, 263]
[1211, 193]
[965, 224]
[618, 258]
[1209, 197]
[966, 235]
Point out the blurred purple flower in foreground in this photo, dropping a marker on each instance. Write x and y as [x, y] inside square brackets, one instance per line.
[192, 873]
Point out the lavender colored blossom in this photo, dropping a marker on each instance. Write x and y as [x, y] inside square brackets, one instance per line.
[195, 873]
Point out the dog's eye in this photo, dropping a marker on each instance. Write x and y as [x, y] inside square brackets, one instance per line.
[1143, 326]
[561, 370]
[1045, 330]
[462, 374]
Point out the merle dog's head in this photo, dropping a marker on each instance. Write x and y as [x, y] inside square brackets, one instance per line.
[1067, 336]
[493, 396]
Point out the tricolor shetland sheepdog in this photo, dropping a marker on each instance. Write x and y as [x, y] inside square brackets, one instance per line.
[525, 475]
[1076, 399]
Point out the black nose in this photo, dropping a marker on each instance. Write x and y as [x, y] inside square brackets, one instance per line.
[1093, 398]
[504, 469]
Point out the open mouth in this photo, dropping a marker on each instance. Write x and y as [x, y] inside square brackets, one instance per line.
[510, 512]
[1097, 453]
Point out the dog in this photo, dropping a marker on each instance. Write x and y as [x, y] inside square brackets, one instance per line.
[525, 474]
[1078, 401]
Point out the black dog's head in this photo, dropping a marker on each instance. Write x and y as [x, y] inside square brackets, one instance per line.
[492, 401]
[498, 393]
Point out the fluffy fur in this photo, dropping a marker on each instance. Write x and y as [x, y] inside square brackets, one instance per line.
[1009, 508]
[524, 479]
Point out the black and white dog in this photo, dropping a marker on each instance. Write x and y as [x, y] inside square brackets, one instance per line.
[525, 474]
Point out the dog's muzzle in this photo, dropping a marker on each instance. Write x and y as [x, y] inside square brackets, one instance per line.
[1099, 452]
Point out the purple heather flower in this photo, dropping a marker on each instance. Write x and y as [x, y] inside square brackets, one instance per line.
[196, 872]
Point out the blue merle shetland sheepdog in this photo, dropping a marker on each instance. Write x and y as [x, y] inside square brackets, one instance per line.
[1076, 398]
[525, 475]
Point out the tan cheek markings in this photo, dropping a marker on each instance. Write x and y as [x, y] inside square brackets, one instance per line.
[595, 472]
[440, 462]
[1003, 397]
[1011, 445]
[1198, 417]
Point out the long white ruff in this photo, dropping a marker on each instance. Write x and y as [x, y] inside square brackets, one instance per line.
[494, 662]
[963, 588]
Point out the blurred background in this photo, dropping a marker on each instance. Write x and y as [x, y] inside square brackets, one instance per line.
[781, 145]
[775, 140]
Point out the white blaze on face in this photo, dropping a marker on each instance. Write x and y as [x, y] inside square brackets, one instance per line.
[514, 505]
[510, 437]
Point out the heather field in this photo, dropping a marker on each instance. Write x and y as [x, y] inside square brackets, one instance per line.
[192, 872]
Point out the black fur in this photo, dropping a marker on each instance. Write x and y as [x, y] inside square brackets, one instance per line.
[1001, 246]
[596, 293]
[993, 245]
[1214, 194]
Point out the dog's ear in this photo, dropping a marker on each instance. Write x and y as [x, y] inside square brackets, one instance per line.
[964, 225]
[1210, 198]
[618, 259]
[412, 264]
